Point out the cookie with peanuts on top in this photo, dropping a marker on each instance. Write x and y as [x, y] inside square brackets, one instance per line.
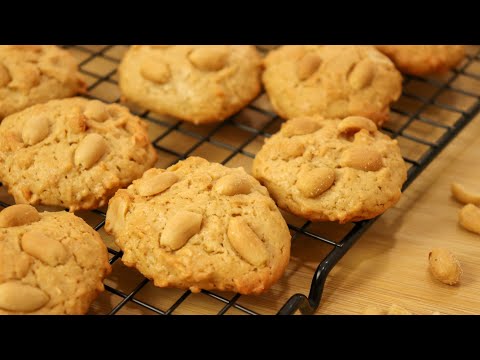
[334, 81]
[196, 83]
[51, 263]
[74, 153]
[34, 74]
[200, 225]
[331, 169]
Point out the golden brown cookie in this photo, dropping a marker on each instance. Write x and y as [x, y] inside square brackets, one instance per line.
[424, 59]
[50, 263]
[334, 81]
[331, 170]
[200, 225]
[35, 74]
[74, 153]
[196, 83]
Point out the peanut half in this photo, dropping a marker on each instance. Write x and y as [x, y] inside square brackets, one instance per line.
[315, 182]
[18, 215]
[180, 228]
[461, 194]
[300, 126]
[209, 58]
[469, 218]
[353, 124]
[90, 150]
[117, 212]
[361, 75]
[444, 266]
[155, 70]
[246, 243]
[4, 76]
[15, 296]
[291, 149]
[96, 110]
[362, 158]
[44, 248]
[230, 185]
[307, 66]
[35, 129]
[156, 184]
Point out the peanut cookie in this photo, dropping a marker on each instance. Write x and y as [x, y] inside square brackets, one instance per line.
[331, 170]
[331, 80]
[200, 225]
[424, 59]
[35, 74]
[50, 263]
[74, 153]
[199, 84]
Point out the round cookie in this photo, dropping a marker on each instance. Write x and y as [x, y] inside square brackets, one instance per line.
[334, 81]
[35, 74]
[50, 263]
[74, 153]
[331, 170]
[196, 83]
[200, 225]
[424, 59]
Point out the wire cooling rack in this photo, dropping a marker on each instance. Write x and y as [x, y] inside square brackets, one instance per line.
[430, 113]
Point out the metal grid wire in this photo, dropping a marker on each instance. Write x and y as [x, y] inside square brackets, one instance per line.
[431, 112]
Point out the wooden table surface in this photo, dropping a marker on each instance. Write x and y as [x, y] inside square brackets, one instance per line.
[389, 263]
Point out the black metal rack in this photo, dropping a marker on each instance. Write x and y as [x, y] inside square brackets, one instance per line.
[431, 112]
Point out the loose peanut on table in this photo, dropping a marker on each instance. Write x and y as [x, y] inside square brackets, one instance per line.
[444, 266]
[463, 195]
[398, 310]
[469, 218]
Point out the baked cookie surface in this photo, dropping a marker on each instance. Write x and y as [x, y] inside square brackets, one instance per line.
[424, 59]
[196, 83]
[74, 153]
[50, 262]
[331, 170]
[200, 225]
[35, 74]
[333, 81]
